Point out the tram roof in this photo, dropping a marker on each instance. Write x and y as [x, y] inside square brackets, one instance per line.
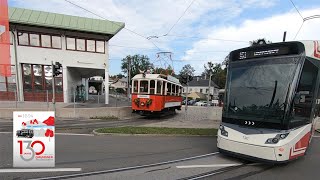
[310, 48]
[157, 76]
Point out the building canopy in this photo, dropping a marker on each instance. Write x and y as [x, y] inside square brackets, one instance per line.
[61, 21]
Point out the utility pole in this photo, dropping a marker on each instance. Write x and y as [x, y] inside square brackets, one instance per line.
[187, 91]
[53, 87]
[129, 76]
[209, 92]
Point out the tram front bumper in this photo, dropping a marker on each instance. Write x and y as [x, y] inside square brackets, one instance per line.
[247, 151]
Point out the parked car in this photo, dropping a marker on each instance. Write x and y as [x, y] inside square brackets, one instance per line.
[201, 103]
[191, 102]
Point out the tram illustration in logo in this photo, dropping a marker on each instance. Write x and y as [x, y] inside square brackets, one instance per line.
[26, 133]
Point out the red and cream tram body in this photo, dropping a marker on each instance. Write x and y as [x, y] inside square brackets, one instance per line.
[272, 101]
[155, 93]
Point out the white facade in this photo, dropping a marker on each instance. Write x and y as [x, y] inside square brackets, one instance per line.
[121, 83]
[202, 89]
[77, 66]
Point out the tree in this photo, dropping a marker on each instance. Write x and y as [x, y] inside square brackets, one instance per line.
[138, 63]
[218, 73]
[260, 41]
[160, 70]
[186, 74]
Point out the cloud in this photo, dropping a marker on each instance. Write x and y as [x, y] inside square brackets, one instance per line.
[156, 18]
[271, 28]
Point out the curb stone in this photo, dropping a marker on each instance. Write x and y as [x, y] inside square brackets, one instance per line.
[157, 135]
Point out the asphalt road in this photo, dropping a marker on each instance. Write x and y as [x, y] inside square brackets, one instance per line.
[86, 126]
[97, 153]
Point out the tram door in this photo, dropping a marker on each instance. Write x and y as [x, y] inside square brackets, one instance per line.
[305, 96]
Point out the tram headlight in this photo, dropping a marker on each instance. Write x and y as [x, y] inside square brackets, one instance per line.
[223, 131]
[221, 127]
[277, 138]
[283, 136]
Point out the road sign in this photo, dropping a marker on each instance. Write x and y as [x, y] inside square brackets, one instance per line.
[33, 139]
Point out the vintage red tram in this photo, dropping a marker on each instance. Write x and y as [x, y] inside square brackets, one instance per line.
[155, 93]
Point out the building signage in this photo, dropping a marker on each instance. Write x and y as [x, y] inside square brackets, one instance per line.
[33, 139]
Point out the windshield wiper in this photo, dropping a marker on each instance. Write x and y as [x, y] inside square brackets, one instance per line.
[274, 93]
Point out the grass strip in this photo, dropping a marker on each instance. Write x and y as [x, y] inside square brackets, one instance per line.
[159, 130]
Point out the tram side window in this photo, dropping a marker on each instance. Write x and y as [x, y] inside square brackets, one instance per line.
[135, 86]
[173, 89]
[159, 84]
[169, 88]
[177, 91]
[303, 99]
[144, 87]
[164, 88]
[152, 86]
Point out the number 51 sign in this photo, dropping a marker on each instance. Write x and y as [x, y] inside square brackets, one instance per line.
[33, 139]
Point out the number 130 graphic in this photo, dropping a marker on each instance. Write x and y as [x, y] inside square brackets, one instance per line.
[30, 146]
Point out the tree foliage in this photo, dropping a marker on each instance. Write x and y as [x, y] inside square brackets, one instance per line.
[187, 70]
[186, 74]
[218, 73]
[138, 63]
[160, 70]
[260, 41]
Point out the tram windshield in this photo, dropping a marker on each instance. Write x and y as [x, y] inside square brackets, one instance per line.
[257, 89]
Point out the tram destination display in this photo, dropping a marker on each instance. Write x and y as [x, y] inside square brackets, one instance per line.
[264, 51]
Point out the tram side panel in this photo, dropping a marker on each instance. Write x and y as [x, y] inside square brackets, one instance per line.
[152, 103]
[173, 102]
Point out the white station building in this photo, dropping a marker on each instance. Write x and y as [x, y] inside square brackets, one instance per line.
[39, 38]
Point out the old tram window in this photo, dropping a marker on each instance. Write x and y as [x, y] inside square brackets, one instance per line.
[144, 87]
[159, 85]
[152, 86]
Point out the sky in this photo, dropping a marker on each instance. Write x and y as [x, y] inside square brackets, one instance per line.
[207, 30]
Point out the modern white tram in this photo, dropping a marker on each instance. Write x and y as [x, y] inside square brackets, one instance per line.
[271, 101]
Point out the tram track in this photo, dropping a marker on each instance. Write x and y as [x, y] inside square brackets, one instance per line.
[228, 170]
[87, 174]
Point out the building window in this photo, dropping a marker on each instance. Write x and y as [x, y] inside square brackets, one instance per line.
[34, 39]
[88, 45]
[23, 39]
[200, 90]
[91, 45]
[56, 42]
[100, 46]
[8, 84]
[38, 78]
[39, 40]
[71, 43]
[81, 44]
[45, 41]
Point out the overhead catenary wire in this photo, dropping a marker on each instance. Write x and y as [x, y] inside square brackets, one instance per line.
[138, 34]
[297, 9]
[179, 18]
[207, 38]
[301, 18]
